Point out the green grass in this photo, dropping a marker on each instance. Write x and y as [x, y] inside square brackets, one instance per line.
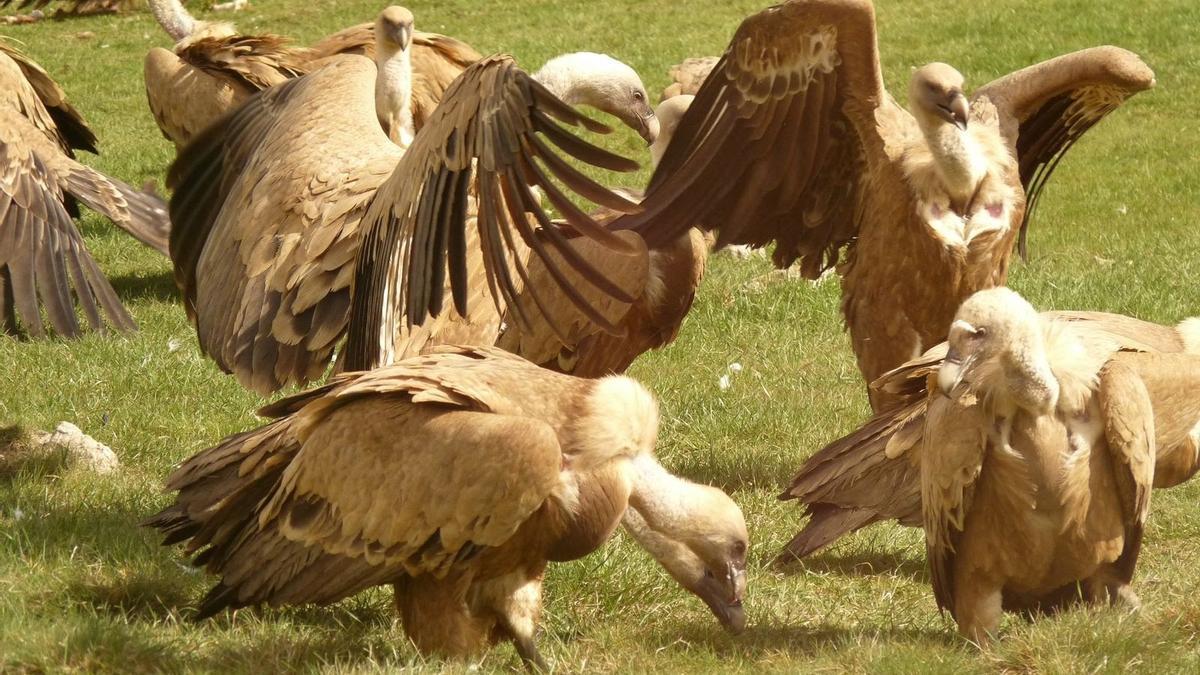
[83, 589]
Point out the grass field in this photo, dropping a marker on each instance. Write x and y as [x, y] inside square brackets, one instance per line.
[83, 589]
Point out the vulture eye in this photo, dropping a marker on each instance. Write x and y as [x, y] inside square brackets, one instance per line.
[637, 96]
[979, 333]
[739, 549]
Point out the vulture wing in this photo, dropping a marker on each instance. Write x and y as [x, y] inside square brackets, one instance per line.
[361, 482]
[476, 159]
[1171, 382]
[267, 207]
[42, 254]
[951, 460]
[195, 85]
[773, 146]
[1129, 428]
[66, 125]
[1046, 107]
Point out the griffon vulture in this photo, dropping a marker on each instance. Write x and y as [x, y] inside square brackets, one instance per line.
[42, 254]
[793, 139]
[456, 477]
[71, 7]
[1037, 464]
[873, 473]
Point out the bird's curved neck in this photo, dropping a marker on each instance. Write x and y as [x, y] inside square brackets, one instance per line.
[393, 94]
[174, 18]
[956, 154]
[571, 77]
[658, 504]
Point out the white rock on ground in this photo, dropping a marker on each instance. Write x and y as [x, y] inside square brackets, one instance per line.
[81, 449]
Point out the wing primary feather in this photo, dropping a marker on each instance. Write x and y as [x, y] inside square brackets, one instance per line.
[457, 254]
[579, 148]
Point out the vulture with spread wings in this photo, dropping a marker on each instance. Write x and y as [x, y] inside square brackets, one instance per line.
[793, 140]
[42, 254]
[872, 474]
[270, 202]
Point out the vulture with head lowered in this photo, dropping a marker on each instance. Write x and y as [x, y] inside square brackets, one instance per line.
[873, 473]
[42, 254]
[792, 139]
[266, 274]
[1037, 463]
[456, 477]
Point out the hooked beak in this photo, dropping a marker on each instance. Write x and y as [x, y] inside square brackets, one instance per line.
[724, 597]
[955, 111]
[648, 127]
[950, 374]
[404, 35]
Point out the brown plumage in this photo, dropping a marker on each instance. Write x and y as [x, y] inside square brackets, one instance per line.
[546, 324]
[687, 77]
[284, 258]
[42, 255]
[436, 61]
[456, 477]
[793, 140]
[873, 473]
[1037, 465]
[72, 7]
[211, 70]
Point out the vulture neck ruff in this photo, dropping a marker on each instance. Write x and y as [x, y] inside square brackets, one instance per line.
[959, 159]
[393, 92]
[174, 18]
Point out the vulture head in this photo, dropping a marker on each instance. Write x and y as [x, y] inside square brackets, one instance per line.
[394, 28]
[997, 353]
[604, 83]
[669, 113]
[698, 534]
[935, 95]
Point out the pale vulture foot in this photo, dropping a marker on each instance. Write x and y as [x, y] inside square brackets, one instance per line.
[1123, 596]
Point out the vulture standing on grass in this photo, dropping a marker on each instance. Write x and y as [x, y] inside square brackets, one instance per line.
[1037, 463]
[873, 473]
[42, 254]
[266, 273]
[72, 7]
[793, 139]
[456, 477]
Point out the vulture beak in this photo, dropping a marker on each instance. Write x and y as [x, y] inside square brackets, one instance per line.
[952, 375]
[404, 35]
[724, 596]
[955, 111]
[648, 126]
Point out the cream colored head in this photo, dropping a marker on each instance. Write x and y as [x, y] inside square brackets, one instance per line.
[697, 533]
[997, 351]
[394, 28]
[669, 114]
[935, 96]
[604, 83]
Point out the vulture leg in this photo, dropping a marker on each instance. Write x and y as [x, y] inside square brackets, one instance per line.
[978, 607]
[530, 655]
[1108, 586]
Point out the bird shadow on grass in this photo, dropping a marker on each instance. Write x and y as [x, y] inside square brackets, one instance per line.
[153, 286]
[860, 564]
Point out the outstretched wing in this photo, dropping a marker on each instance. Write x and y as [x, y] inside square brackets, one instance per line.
[42, 255]
[67, 126]
[267, 209]
[478, 158]
[772, 148]
[1046, 107]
